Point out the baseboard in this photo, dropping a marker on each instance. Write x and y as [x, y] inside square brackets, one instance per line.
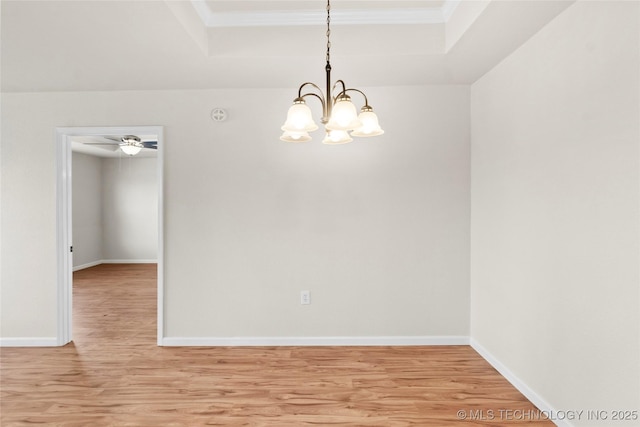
[520, 385]
[313, 341]
[129, 261]
[87, 265]
[28, 342]
[115, 261]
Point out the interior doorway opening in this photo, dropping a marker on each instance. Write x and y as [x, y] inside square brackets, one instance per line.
[127, 220]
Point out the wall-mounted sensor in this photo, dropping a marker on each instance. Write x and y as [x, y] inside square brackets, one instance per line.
[305, 297]
[218, 115]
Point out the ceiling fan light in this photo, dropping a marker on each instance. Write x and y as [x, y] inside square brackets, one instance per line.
[370, 125]
[295, 137]
[299, 118]
[130, 149]
[336, 137]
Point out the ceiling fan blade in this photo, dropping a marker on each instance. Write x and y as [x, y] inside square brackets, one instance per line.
[100, 140]
[117, 139]
[150, 144]
[97, 146]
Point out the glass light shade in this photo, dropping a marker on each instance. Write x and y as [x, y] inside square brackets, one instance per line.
[343, 116]
[130, 149]
[370, 125]
[335, 137]
[299, 119]
[295, 137]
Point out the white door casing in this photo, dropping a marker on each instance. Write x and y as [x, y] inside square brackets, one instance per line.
[64, 238]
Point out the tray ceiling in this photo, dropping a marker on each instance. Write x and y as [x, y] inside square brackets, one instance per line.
[93, 45]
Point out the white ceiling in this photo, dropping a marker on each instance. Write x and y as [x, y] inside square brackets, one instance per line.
[84, 45]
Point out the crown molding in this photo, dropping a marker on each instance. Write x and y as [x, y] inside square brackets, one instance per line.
[448, 8]
[338, 17]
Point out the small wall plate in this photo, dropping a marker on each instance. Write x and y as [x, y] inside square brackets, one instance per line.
[218, 115]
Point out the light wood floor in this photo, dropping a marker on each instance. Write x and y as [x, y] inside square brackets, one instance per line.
[115, 375]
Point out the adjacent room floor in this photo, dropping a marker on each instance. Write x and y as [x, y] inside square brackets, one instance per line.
[114, 374]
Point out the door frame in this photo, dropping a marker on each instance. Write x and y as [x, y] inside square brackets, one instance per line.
[64, 237]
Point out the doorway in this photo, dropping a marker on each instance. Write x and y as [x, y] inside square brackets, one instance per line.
[64, 140]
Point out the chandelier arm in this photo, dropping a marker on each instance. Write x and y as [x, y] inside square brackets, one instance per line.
[317, 96]
[366, 101]
[307, 84]
[326, 107]
[344, 89]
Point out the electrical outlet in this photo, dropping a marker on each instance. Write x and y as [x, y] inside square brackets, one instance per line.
[305, 297]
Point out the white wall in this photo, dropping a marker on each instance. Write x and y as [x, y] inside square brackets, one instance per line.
[378, 230]
[87, 209]
[555, 212]
[130, 209]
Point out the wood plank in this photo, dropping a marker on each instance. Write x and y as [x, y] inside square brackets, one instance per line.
[113, 374]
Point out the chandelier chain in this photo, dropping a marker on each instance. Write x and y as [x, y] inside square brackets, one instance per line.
[328, 31]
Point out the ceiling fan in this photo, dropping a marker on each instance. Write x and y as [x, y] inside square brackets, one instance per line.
[129, 144]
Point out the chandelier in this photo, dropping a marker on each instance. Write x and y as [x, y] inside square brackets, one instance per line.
[339, 116]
